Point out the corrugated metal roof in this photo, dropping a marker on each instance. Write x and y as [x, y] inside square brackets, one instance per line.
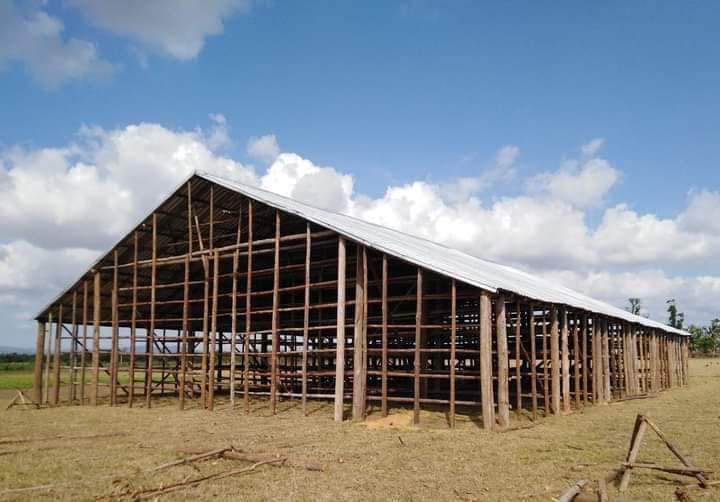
[439, 258]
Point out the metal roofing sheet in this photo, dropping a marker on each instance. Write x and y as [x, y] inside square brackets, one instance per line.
[439, 258]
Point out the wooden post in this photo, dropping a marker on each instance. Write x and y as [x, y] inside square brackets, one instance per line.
[213, 333]
[533, 361]
[186, 330]
[555, 359]
[565, 362]
[576, 358]
[340, 334]
[248, 309]
[96, 338]
[518, 344]
[114, 332]
[306, 318]
[133, 321]
[606, 362]
[453, 345]
[486, 377]
[38, 369]
[384, 369]
[57, 354]
[635, 442]
[275, 316]
[84, 342]
[151, 331]
[585, 358]
[418, 343]
[73, 349]
[546, 381]
[502, 362]
[48, 360]
[360, 336]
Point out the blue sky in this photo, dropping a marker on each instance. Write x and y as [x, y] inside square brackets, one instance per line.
[391, 93]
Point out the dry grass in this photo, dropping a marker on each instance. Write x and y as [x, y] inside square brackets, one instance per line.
[385, 460]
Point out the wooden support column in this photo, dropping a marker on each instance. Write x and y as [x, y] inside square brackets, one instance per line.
[486, 376]
[502, 362]
[340, 334]
[606, 363]
[57, 358]
[654, 387]
[453, 345]
[533, 361]
[585, 372]
[555, 359]
[48, 360]
[212, 355]
[275, 317]
[151, 330]
[186, 330]
[84, 342]
[565, 351]
[114, 332]
[418, 344]
[306, 318]
[248, 309]
[38, 369]
[576, 360]
[73, 349]
[96, 338]
[133, 321]
[546, 376]
[518, 364]
[360, 336]
[384, 369]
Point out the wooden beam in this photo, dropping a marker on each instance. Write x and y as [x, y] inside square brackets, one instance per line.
[213, 333]
[606, 362]
[555, 359]
[85, 341]
[248, 312]
[73, 349]
[96, 339]
[275, 317]
[418, 344]
[453, 344]
[533, 361]
[185, 331]
[486, 377]
[340, 334]
[502, 362]
[38, 369]
[518, 344]
[151, 331]
[585, 372]
[48, 356]
[57, 358]
[576, 359]
[133, 321]
[565, 349]
[360, 336]
[306, 317]
[384, 369]
[114, 343]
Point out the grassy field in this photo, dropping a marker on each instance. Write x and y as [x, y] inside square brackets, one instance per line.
[383, 459]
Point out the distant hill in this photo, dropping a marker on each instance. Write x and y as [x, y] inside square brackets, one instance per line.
[5, 349]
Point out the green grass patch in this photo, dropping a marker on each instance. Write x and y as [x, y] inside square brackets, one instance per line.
[16, 379]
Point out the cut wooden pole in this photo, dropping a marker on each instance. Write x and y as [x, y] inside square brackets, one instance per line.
[275, 317]
[114, 333]
[83, 354]
[96, 339]
[565, 351]
[306, 318]
[699, 476]
[518, 345]
[248, 311]
[533, 361]
[57, 358]
[502, 362]
[133, 320]
[72, 387]
[418, 343]
[186, 331]
[38, 369]
[546, 381]
[555, 359]
[635, 442]
[606, 363]
[576, 360]
[360, 336]
[486, 377]
[384, 369]
[340, 334]
[48, 360]
[213, 333]
[453, 345]
[151, 330]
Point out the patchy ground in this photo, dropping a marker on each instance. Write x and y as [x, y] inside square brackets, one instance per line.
[383, 460]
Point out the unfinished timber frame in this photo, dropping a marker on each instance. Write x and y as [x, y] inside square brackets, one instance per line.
[218, 293]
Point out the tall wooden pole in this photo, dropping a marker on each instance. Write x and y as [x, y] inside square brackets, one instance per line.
[275, 317]
[83, 354]
[384, 369]
[114, 332]
[213, 333]
[360, 336]
[533, 361]
[57, 354]
[555, 359]
[453, 343]
[306, 318]
[248, 314]
[340, 335]
[38, 369]
[133, 321]
[502, 362]
[418, 345]
[518, 344]
[73, 350]
[151, 331]
[486, 377]
[96, 339]
[565, 362]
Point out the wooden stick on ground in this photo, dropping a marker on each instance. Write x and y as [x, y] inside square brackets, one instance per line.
[572, 491]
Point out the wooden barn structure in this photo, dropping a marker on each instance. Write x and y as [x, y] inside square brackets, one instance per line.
[226, 289]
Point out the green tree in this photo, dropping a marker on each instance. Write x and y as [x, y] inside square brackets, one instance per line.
[675, 318]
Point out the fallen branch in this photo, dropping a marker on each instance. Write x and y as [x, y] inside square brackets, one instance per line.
[194, 458]
[572, 492]
[153, 492]
[683, 471]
